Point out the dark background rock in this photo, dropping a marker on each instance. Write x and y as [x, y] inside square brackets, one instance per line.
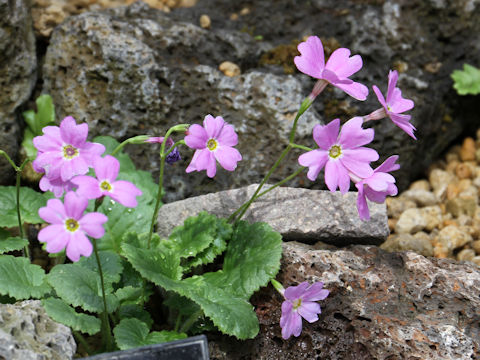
[381, 306]
[137, 70]
[18, 63]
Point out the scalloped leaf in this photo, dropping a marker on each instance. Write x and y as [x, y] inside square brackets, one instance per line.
[79, 286]
[130, 311]
[12, 244]
[252, 259]
[231, 314]
[63, 313]
[111, 265]
[132, 333]
[467, 82]
[20, 279]
[30, 202]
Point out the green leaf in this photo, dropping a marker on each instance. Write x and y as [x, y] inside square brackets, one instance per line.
[79, 286]
[132, 333]
[30, 202]
[133, 295]
[63, 313]
[135, 311]
[27, 144]
[126, 164]
[44, 116]
[20, 279]
[467, 81]
[252, 259]
[160, 258]
[111, 265]
[232, 315]
[11, 243]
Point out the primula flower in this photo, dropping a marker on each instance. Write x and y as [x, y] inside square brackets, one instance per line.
[337, 70]
[106, 171]
[213, 142]
[174, 155]
[64, 151]
[376, 187]
[394, 105]
[56, 186]
[300, 303]
[341, 154]
[69, 226]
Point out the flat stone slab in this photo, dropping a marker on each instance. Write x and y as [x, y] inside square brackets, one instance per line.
[298, 214]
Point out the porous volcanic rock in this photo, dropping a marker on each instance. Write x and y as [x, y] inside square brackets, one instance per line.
[381, 306]
[18, 64]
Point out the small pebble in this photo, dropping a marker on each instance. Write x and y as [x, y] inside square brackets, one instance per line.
[467, 152]
[229, 68]
[476, 246]
[420, 197]
[463, 171]
[420, 185]
[476, 260]
[462, 205]
[466, 255]
[411, 221]
[205, 21]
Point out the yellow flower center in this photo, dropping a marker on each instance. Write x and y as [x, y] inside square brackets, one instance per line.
[105, 186]
[71, 225]
[297, 303]
[335, 151]
[69, 152]
[212, 144]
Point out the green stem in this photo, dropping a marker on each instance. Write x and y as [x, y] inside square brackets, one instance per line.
[5, 155]
[241, 211]
[120, 147]
[163, 157]
[177, 322]
[190, 321]
[106, 331]
[26, 252]
[82, 341]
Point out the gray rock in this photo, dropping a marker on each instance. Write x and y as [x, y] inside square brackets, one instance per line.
[381, 306]
[18, 63]
[28, 333]
[301, 214]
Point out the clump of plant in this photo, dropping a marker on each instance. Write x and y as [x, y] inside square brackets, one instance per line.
[466, 81]
[98, 215]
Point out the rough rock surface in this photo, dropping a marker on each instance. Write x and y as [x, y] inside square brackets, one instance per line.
[137, 70]
[28, 333]
[301, 214]
[381, 306]
[18, 64]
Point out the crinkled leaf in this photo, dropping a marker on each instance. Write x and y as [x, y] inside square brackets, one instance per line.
[21, 279]
[79, 286]
[30, 202]
[111, 265]
[132, 333]
[467, 82]
[63, 313]
[136, 312]
[252, 259]
[157, 258]
[44, 116]
[231, 314]
[126, 164]
[133, 295]
[209, 254]
[11, 243]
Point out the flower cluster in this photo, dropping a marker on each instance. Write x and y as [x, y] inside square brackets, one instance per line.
[341, 152]
[65, 157]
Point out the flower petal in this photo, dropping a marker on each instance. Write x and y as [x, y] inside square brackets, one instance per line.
[92, 224]
[398, 104]
[87, 186]
[325, 136]
[402, 121]
[75, 205]
[362, 206]
[388, 165]
[311, 60]
[295, 292]
[53, 213]
[353, 135]
[315, 160]
[392, 82]
[53, 233]
[354, 161]
[78, 245]
[125, 193]
[213, 126]
[72, 133]
[228, 136]
[315, 292]
[106, 168]
[228, 157]
[197, 137]
[309, 311]
[342, 64]
[380, 97]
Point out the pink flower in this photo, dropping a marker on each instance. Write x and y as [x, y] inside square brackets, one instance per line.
[337, 70]
[300, 303]
[106, 170]
[213, 142]
[69, 226]
[56, 186]
[377, 187]
[64, 151]
[341, 154]
[394, 105]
